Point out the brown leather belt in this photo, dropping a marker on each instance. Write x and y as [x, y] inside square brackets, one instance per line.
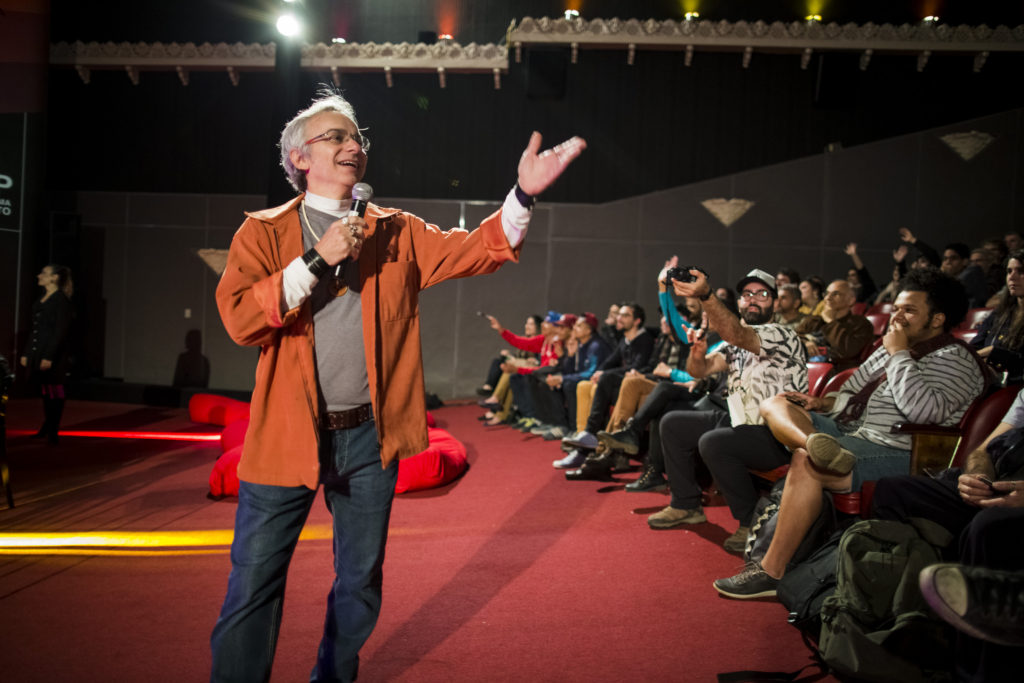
[347, 419]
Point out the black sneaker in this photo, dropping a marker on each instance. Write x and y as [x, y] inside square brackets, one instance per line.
[984, 603]
[752, 582]
[650, 480]
[625, 440]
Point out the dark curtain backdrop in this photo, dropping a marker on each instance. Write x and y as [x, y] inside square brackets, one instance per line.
[654, 125]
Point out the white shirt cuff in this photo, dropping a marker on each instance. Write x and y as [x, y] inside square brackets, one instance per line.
[297, 283]
[515, 218]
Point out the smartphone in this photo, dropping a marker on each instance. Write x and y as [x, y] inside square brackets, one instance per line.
[988, 482]
[796, 400]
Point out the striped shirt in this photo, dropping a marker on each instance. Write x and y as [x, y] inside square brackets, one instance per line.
[936, 389]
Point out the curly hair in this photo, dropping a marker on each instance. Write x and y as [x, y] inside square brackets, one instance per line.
[943, 293]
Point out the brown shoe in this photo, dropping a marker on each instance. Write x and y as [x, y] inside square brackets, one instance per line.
[826, 453]
[670, 517]
[737, 543]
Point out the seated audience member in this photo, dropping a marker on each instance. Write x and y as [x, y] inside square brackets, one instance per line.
[1000, 338]
[811, 291]
[545, 345]
[671, 348]
[838, 335]
[1013, 241]
[921, 255]
[556, 392]
[787, 306]
[920, 374]
[610, 330]
[516, 357]
[956, 262]
[651, 390]
[787, 276]
[632, 353]
[985, 260]
[760, 358]
[521, 379]
[988, 518]
[864, 288]
[888, 293]
[727, 296]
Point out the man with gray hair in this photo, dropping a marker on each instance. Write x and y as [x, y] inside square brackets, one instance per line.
[331, 299]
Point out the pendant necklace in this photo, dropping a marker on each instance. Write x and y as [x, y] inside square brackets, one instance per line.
[336, 285]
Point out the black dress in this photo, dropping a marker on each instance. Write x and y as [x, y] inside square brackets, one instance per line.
[51, 327]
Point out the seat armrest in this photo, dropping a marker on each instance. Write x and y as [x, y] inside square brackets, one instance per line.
[932, 446]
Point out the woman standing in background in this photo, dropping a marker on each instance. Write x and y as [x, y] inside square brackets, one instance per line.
[47, 358]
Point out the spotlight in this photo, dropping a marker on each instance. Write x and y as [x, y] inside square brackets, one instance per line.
[931, 19]
[571, 14]
[445, 38]
[288, 25]
[813, 18]
[692, 16]
[338, 41]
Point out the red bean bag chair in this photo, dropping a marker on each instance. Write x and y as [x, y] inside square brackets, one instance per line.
[217, 410]
[443, 461]
[233, 435]
[224, 477]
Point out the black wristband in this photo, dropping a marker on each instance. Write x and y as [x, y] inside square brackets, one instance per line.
[315, 262]
[708, 295]
[526, 200]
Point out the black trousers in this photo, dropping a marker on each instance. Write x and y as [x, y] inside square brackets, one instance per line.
[730, 453]
[989, 537]
[605, 394]
[665, 398]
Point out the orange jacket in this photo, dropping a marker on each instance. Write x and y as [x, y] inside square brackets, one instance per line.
[400, 256]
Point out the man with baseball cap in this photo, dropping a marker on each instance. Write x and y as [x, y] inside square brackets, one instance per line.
[555, 395]
[761, 359]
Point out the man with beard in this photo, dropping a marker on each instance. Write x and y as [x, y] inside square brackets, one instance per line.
[761, 358]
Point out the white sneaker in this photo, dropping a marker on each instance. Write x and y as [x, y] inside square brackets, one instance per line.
[573, 460]
[584, 440]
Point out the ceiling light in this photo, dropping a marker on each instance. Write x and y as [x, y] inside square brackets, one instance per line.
[288, 25]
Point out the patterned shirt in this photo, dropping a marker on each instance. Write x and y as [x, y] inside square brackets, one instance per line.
[781, 366]
[937, 389]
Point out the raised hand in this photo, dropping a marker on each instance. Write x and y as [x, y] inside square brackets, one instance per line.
[538, 171]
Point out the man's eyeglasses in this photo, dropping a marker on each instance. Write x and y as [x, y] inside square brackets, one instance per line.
[338, 137]
[759, 294]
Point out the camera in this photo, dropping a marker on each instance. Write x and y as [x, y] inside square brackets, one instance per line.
[680, 274]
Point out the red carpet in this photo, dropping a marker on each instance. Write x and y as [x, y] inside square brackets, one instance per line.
[510, 573]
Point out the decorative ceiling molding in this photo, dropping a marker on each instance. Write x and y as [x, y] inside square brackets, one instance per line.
[796, 36]
[443, 57]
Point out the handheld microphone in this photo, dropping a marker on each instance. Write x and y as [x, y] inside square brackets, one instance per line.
[362, 193]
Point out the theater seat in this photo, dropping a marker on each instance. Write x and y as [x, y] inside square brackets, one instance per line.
[817, 376]
[233, 435]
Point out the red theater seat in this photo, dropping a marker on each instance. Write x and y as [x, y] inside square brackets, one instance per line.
[233, 435]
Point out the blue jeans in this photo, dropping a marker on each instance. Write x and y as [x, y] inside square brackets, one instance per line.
[874, 461]
[358, 492]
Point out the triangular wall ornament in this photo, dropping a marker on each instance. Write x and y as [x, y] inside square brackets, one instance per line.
[727, 211]
[968, 145]
[217, 259]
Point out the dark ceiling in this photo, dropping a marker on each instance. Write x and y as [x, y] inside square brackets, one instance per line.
[481, 21]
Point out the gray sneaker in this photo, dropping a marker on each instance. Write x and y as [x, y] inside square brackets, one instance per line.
[828, 454]
[752, 582]
[737, 543]
[670, 517]
[574, 459]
